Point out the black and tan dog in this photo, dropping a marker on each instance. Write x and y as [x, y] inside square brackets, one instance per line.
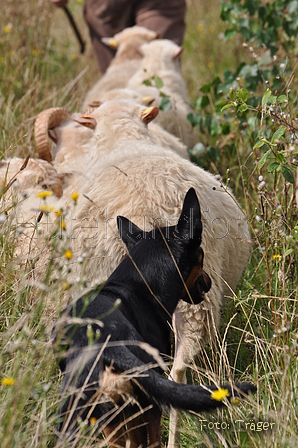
[112, 379]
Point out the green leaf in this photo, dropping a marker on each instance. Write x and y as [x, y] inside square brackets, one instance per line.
[282, 99]
[263, 159]
[205, 101]
[288, 252]
[268, 143]
[287, 174]
[230, 33]
[274, 166]
[272, 99]
[259, 144]
[165, 103]
[295, 233]
[194, 119]
[206, 88]
[266, 97]
[158, 81]
[243, 107]
[280, 157]
[232, 94]
[215, 128]
[147, 82]
[279, 133]
[227, 106]
[242, 95]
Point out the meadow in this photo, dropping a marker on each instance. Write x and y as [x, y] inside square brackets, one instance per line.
[240, 65]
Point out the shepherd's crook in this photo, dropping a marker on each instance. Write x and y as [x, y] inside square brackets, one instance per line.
[75, 28]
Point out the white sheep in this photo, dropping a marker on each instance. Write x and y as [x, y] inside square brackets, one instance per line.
[22, 180]
[69, 136]
[30, 175]
[131, 176]
[128, 174]
[125, 63]
[72, 136]
[161, 58]
[158, 134]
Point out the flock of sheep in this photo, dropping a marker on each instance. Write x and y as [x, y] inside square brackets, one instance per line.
[121, 162]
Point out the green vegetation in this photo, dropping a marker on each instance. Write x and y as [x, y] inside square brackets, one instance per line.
[240, 64]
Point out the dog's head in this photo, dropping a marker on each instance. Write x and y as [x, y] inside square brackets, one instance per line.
[176, 248]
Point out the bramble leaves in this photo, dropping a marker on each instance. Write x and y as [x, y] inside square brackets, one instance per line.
[287, 174]
[279, 133]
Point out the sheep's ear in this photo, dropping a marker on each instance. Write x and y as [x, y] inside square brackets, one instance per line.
[86, 120]
[147, 100]
[190, 224]
[149, 114]
[110, 42]
[129, 232]
[178, 52]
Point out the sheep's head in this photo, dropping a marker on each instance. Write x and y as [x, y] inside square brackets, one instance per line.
[45, 122]
[119, 117]
[124, 93]
[128, 41]
[135, 35]
[163, 49]
[58, 125]
[30, 173]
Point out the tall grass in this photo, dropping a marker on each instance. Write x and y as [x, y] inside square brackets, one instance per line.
[41, 67]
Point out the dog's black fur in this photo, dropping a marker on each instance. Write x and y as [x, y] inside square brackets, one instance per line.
[149, 286]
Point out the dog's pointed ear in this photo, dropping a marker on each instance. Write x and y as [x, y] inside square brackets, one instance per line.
[129, 232]
[190, 224]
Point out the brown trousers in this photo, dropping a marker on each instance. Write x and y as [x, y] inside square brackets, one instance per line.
[105, 18]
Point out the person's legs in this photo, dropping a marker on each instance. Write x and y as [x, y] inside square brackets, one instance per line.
[105, 18]
[165, 17]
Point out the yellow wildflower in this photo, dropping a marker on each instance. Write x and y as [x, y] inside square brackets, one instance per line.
[276, 257]
[65, 285]
[7, 28]
[63, 225]
[92, 421]
[46, 208]
[35, 52]
[200, 28]
[210, 64]
[75, 196]
[74, 56]
[7, 381]
[68, 254]
[220, 394]
[58, 212]
[235, 400]
[44, 194]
